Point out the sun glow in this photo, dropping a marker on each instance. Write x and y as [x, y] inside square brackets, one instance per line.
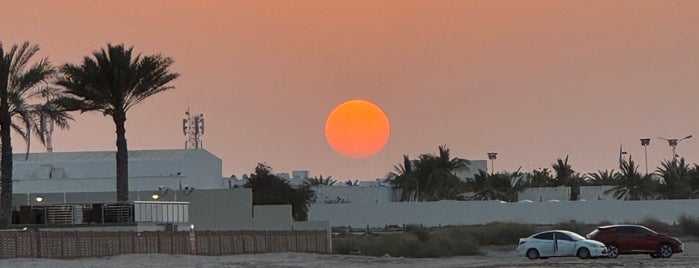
[357, 129]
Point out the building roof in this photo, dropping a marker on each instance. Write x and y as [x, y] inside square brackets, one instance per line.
[102, 155]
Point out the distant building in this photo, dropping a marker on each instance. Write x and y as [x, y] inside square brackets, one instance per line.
[149, 170]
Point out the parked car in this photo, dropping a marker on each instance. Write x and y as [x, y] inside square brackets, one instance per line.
[560, 243]
[636, 239]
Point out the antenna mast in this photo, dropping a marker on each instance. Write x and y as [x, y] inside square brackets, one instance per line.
[193, 128]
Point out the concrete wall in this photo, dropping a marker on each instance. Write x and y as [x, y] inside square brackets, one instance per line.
[352, 194]
[482, 212]
[589, 193]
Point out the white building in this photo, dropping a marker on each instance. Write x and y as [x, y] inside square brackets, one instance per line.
[59, 172]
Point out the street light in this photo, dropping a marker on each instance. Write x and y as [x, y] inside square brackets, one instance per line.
[621, 156]
[673, 142]
[645, 142]
[492, 157]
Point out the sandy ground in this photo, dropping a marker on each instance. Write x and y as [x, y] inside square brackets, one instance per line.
[497, 256]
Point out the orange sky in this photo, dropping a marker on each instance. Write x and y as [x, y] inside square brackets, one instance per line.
[531, 80]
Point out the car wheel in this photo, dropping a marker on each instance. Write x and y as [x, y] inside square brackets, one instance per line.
[665, 251]
[613, 251]
[583, 253]
[532, 254]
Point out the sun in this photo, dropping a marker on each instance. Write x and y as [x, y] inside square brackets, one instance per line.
[357, 129]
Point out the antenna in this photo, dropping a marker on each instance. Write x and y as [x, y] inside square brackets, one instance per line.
[46, 123]
[193, 129]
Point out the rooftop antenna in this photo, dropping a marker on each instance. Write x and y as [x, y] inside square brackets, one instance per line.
[193, 128]
[46, 123]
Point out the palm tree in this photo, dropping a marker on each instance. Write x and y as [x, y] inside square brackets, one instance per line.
[567, 176]
[540, 177]
[318, 181]
[436, 175]
[499, 186]
[633, 185]
[605, 177]
[18, 84]
[677, 179]
[403, 178]
[112, 83]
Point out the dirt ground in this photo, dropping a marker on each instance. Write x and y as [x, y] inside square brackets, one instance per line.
[496, 256]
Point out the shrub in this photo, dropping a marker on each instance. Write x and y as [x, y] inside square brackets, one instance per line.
[501, 233]
[689, 225]
[656, 225]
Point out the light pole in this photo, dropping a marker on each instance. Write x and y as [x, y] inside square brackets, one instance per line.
[492, 157]
[673, 142]
[621, 156]
[645, 142]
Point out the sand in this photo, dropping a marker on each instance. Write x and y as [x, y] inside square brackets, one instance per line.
[494, 256]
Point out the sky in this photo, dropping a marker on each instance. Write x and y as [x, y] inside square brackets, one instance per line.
[533, 81]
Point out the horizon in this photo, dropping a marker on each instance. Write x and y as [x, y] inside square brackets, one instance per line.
[531, 81]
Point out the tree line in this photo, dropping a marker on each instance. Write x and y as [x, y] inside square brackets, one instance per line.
[32, 92]
[434, 177]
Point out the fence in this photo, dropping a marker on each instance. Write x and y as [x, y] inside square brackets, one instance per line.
[65, 245]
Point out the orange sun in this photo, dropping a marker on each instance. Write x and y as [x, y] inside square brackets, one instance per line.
[357, 129]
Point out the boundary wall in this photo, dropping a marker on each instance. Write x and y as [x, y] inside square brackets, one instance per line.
[66, 245]
[443, 213]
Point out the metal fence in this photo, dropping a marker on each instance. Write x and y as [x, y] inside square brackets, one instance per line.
[66, 245]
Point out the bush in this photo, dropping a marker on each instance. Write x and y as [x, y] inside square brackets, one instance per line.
[415, 243]
[656, 225]
[501, 233]
[689, 225]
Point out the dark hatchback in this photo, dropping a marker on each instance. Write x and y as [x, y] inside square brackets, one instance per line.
[636, 239]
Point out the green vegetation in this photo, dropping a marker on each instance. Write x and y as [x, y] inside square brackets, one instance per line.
[268, 189]
[112, 83]
[430, 177]
[420, 242]
[23, 92]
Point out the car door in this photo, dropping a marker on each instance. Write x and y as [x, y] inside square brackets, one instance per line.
[544, 244]
[645, 240]
[564, 245]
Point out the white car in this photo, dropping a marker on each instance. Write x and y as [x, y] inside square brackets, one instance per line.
[560, 243]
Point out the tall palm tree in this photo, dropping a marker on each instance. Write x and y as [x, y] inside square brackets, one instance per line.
[436, 175]
[403, 177]
[677, 180]
[633, 185]
[18, 84]
[112, 83]
[498, 186]
[567, 176]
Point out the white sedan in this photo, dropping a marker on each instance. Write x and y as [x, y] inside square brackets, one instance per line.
[560, 243]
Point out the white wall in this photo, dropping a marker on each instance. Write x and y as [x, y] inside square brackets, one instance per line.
[482, 212]
[352, 194]
[589, 193]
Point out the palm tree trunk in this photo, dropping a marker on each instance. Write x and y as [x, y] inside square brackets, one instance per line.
[5, 165]
[122, 158]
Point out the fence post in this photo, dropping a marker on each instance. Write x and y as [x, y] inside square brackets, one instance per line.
[37, 236]
[192, 242]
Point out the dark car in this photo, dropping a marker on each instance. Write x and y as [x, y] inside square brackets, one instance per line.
[636, 239]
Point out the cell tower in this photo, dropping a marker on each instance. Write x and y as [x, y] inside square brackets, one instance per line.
[193, 128]
[45, 122]
[47, 131]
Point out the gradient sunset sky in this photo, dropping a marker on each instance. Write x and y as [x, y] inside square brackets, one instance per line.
[531, 80]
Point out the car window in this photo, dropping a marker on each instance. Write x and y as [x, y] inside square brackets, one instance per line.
[626, 230]
[562, 236]
[544, 236]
